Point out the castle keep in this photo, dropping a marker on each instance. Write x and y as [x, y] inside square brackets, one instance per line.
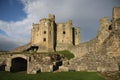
[102, 53]
[50, 36]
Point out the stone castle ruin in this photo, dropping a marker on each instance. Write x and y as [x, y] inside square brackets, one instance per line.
[49, 36]
[99, 54]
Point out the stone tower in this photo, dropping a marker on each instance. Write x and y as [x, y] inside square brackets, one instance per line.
[116, 13]
[49, 36]
[116, 18]
[104, 30]
[113, 44]
[42, 34]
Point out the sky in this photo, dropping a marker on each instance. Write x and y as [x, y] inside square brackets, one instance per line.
[17, 16]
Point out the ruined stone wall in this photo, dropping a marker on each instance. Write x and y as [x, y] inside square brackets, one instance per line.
[104, 29]
[101, 53]
[94, 44]
[91, 62]
[84, 48]
[35, 62]
[41, 63]
[112, 43]
[106, 57]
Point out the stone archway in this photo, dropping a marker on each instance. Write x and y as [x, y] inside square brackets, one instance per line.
[18, 64]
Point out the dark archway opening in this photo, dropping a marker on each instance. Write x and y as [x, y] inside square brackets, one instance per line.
[56, 66]
[18, 65]
[119, 66]
[2, 66]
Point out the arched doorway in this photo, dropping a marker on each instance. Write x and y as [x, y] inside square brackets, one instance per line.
[18, 64]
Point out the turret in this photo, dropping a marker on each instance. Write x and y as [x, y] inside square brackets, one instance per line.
[116, 18]
[51, 17]
[116, 13]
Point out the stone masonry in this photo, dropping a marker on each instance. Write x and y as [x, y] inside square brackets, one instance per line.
[34, 62]
[99, 54]
[50, 36]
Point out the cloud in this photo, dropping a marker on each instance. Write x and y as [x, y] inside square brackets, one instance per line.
[16, 30]
[85, 14]
[7, 44]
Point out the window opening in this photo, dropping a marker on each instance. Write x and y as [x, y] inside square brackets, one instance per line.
[63, 32]
[44, 39]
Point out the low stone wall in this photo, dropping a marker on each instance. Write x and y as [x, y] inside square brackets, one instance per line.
[36, 62]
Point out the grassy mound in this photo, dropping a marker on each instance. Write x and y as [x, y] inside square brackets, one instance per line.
[66, 53]
[51, 76]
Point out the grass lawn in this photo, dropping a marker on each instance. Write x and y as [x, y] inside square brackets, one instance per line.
[66, 53]
[51, 76]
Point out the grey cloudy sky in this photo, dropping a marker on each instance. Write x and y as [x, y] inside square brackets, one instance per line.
[84, 13]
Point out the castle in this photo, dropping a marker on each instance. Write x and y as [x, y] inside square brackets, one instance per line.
[99, 54]
[50, 36]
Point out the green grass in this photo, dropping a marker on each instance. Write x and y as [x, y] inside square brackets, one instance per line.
[66, 53]
[51, 76]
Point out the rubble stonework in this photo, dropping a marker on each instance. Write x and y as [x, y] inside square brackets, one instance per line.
[35, 62]
[99, 54]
